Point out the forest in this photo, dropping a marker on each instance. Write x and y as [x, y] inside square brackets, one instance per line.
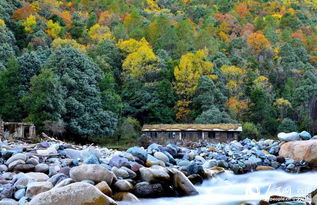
[97, 69]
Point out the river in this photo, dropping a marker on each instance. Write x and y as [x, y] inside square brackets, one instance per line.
[230, 189]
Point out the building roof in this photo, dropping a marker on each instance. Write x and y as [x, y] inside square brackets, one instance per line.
[193, 127]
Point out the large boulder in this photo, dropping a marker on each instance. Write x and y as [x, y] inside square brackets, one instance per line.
[292, 136]
[74, 194]
[300, 150]
[38, 187]
[182, 183]
[92, 172]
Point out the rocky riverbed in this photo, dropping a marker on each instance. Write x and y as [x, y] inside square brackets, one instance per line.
[54, 172]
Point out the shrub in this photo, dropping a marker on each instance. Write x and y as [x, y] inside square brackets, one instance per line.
[287, 125]
[250, 130]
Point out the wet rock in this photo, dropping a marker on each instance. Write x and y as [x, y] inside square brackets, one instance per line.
[150, 161]
[182, 183]
[74, 194]
[37, 187]
[125, 196]
[7, 191]
[104, 188]
[292, 136]
[147, 190]
[263, 168]
[300, 150]
[131, 173]
[32, 161]
[91, 171]
[196, 179]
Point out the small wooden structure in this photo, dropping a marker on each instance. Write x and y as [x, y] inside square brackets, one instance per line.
[17, 130]
[183, 133]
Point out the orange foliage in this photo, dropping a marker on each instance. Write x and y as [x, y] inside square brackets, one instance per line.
[242, 9]
[236, 106]
[299, 35]
[257, 42]
[105, 18]
[23, 13]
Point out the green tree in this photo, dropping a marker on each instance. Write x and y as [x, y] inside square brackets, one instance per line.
[79, 78]
[214, 116]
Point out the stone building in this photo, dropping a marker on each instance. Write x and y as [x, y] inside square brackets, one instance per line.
[183, 133]
[17, 130]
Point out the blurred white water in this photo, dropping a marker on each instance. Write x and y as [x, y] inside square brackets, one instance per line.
[230, 189]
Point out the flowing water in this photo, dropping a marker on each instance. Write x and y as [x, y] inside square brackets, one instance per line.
[230, 189]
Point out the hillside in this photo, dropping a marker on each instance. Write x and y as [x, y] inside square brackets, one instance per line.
[87, 69]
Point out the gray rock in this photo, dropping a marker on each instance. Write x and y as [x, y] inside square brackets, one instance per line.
[154, 174]
[182, 183]
[304, 135]
[3, 168]
[123, 186]
[147, 190]
[18, 156]
[138, 152]
[292, 136]
[161, 156]
[91, 171]
[41, 168]
[120, 172]
[19, 194]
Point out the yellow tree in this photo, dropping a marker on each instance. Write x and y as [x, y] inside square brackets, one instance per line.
[53, 29]
[187, 74]
[282, 105]
[140, 59]
[29, 23]
[99, 33]
[59, 43]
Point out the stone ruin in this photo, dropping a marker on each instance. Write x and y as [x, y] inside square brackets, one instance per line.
[17, 130]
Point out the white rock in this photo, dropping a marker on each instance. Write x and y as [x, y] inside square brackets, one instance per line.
[292, 136]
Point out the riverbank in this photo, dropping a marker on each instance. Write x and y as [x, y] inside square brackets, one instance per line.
[39, 173]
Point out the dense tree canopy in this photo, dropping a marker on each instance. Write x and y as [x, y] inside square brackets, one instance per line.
[82, 66]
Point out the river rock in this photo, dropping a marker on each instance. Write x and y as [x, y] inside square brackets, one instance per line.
[138, 152]
[147, 190]
[125, 196]
[182, 183]
[41, 168]
[154, 174]
[304, 135]
[18, 156]
[300, 150]
[74, 194]
[161, 156]
[19, 194]
[64, 182]
[104, 188]
[120, 173]
[36, 176]
[37, 187]
[8, 202]
[3, 168]
[15, 163]
[24, 168]
[263, 168]
[91, 171]
[123, 186]
[292, 136]
[32, 161]
[117, 161]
